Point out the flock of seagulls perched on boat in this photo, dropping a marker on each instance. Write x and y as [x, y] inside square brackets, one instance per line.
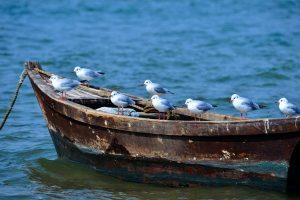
[242, 104]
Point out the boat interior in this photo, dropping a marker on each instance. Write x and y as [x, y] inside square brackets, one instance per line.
[97, 98]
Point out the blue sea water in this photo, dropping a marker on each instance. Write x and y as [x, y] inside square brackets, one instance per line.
[205, 50]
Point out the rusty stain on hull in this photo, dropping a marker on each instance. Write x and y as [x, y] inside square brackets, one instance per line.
[218, 150]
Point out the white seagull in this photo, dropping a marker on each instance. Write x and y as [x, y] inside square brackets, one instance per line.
[85, 74]
[120, 100]
[160, 104]
[243, 105]
[198, 107]
[287, 108]
[63, 84]
[155, 88]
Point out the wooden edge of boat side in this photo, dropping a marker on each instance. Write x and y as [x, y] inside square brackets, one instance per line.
[160, 127]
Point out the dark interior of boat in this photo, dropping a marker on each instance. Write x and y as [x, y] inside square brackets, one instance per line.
[95, 98]
[144, 111]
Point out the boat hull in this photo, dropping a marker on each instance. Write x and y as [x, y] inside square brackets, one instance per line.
[171, 173]
[167, 160]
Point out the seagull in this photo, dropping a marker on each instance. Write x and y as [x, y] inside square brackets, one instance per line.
[63, 84]
[198, 107]
[287, 108]
[155, 88]
[244, 105]
[160, 104]
[87, 75]
[120, 100]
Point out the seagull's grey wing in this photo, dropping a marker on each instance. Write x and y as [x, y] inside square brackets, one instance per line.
[125, 99]
[250, 103]
[130, 101]
[159, 89]
[204, 106]
[69, 83]
[166, 103]
[293, 107]
[254, 106]
[91, 73]
[122, 98]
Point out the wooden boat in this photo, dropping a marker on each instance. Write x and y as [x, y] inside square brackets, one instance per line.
[218, 150]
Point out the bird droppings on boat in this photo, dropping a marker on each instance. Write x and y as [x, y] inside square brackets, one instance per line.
[226, 154]
[227, 127]
[105, 122]
[272, 174]
[182, 131]
[100, 143]
[159, 140]
[267, 125]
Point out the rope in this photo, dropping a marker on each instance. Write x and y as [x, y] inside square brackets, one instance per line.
[22, 78]
[137, 107]
[43, 72]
